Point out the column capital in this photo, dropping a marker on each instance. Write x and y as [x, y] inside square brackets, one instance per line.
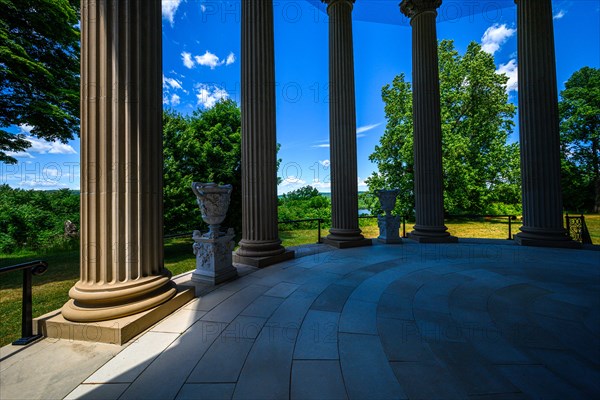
[412, 8]
[334, 2]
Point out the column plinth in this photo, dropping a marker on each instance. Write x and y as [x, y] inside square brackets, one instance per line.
[427, 125]
[539, 128]
[121, 256]
[344, 230]
[260, 245]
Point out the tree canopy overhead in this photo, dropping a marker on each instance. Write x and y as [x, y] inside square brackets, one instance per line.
[481, 169]
[580, 140]
[39, 71]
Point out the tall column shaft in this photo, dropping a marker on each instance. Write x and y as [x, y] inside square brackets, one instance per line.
[260, 234]
[539, 126]
[342, 127]
[121, 257]
[427, 126]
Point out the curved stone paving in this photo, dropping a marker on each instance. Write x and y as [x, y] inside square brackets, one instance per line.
[403, 321]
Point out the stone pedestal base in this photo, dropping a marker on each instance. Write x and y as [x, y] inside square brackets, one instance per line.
[437, 236]
[261, 262]
[343, 244]
[116, 331]
[213, 258]
[546, 239]
[389, 229]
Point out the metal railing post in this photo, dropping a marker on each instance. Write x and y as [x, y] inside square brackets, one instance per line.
[319, 231]
[27, 308]
[510, 227]
[29, 269]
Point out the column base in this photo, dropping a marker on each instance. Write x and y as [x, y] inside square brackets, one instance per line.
[116, 331]
[432, 236]
[346, 244]
[261, 262]
[546, 238]
[93, 303]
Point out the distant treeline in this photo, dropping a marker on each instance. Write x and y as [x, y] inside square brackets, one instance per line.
[35, 219]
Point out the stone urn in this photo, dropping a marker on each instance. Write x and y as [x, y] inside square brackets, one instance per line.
[387, 199]
[213, 249]
[213, 201]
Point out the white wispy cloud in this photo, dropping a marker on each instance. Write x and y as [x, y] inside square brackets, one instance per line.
[321, 186]
[171, 82]
[290, 183]
[209, 95]
[22, 154]
[187, 60]
[202, 8]
[169, 8]
[175, 100]
[360, 132]
[321, 146]
[42, 146]
[559, 14]
[511, 70]
[325, 163]
[495, 36]
[362, 185]
[230, 59]
[208, 59]
[33, 184]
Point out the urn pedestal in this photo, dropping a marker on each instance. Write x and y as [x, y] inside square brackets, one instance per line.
[213, 250]
[389, 225]
[213, 258]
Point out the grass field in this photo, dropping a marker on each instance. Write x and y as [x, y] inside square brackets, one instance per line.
[50, 291]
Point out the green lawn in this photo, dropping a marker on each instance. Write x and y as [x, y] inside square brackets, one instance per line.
[50, 291]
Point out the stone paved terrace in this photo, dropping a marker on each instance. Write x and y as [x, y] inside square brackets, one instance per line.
[478, 319]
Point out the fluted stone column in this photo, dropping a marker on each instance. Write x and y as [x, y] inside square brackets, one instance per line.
[539, 128]
[429, 195]
[122, 269]
[260, 245]
[344, 230]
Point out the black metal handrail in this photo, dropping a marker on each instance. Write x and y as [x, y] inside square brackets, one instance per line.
[31, 268]
[577, 229]
[473, 216]
[295, 221]
[177, 235]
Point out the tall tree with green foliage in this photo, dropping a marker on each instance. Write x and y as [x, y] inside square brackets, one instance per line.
[203, 147]
[580, 140]
[304, 203]
[39, 71]
[481, 170]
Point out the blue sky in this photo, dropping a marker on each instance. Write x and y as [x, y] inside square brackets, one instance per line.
[201, 51]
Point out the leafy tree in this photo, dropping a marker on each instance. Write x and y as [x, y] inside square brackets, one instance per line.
[480, 168]
[39, 71]
[204, 147]
[34, 219]
[304, 193]
[304, 203]
[580, 140]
